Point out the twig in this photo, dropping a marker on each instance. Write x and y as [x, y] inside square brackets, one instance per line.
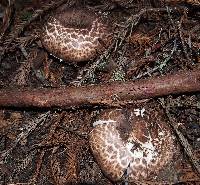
[184, 142]
[182, 41]
[113, 94]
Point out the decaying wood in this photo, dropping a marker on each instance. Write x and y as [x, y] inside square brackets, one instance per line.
[113, 94]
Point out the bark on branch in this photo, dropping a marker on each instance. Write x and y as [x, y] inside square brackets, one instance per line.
[112, 94]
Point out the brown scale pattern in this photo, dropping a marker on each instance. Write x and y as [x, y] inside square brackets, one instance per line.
[74, 34]
[141, 145]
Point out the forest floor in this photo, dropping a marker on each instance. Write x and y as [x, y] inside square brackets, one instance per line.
[47, 144]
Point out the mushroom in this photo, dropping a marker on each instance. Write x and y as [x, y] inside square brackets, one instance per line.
[127, 144]
[74, 34]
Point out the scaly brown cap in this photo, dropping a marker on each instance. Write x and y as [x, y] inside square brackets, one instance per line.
[74, 34]
[123, 141]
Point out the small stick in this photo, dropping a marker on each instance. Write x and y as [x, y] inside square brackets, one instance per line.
[183, 141]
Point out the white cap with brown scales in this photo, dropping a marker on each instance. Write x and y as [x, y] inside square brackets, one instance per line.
[74, 34]
[138, 146]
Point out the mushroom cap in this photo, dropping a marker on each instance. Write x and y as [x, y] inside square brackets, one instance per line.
[123, 142]
[74, 34]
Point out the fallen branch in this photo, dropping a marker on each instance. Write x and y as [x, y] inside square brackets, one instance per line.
[113, 94]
